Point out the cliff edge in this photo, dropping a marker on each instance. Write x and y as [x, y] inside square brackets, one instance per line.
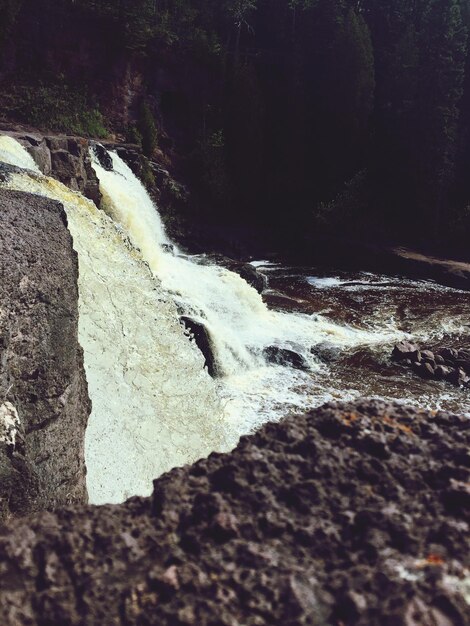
[44, 404]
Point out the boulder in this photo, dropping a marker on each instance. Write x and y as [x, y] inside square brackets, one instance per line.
[427, 356]
[42, 156]
[405, 350]
[43, 391]
[442, 372]
[458, 377]
[326, 352]
[201, 336]
[103, 157]
[68, 169]
[449, 354]
[253, 277]
[286, 357]
[427, 370]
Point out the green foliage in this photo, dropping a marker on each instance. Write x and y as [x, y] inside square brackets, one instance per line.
[59, 107]
[134, 19]
[147, 176]
[279, 102]
[211, 163]
[147, 129]
[133, 135]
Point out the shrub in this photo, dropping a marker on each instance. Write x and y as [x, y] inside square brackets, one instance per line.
[147, 129]
[59, 107]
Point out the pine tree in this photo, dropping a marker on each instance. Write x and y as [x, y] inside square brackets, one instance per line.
[444, 46]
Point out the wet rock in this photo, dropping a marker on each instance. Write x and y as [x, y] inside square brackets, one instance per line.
[103, 157]
[447, 364]
[253, 277]
[449, 354]
[42, 380]
[287, 528]
[201, 336]
[327, 352]
[427, 370]
[286, 357]
[405, 350]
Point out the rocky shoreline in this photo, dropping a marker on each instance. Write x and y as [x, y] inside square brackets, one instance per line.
[355, 513]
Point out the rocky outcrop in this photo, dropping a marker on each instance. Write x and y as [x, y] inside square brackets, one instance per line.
[285, 357]
[65, 158]
[447, 364]
[352, 514]
[44, 404]
[199, 333]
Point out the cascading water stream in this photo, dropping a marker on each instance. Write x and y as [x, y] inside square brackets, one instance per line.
[239, 322]
[154, 406]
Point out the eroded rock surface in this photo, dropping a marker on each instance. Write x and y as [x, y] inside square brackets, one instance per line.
[352, 514]
[44, 403]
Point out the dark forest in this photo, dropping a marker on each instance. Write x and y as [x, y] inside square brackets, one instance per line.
[293, 116]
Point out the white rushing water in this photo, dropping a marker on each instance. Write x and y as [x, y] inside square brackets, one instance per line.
[154, 407]
[240, 324]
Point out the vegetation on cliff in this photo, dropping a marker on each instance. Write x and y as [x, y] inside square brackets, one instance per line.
[354, 115]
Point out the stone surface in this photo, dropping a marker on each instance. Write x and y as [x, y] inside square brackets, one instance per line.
[352, 514]
[284, 356]
[65, 158]
[447, 364]
[253, 277]
[199, 333]
[41, 366]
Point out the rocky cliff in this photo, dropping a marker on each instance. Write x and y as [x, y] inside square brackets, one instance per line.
[352, 514]
[44, 404]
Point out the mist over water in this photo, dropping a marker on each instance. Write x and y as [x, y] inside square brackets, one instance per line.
[154, 406]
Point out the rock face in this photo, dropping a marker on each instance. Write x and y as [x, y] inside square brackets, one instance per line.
[43, 392]
[200, 334]
[65, 158]
[352, 514]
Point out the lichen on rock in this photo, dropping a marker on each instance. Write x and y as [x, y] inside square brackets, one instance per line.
[9, 422]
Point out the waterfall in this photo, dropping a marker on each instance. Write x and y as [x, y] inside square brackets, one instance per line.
[240, 324]
[154, 406]
[13, 153]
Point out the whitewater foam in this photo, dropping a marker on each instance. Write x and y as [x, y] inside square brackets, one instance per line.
[154, 406]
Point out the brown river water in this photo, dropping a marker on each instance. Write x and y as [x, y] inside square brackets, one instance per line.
[433, 315]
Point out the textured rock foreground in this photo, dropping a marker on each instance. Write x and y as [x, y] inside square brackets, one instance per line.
[44, 404]
[352, 514]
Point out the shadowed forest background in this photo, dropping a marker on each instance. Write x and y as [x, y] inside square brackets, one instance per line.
[297, 118]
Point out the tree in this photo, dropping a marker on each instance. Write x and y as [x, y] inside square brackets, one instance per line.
[147, 129]
[240, 11]
[443, 49]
